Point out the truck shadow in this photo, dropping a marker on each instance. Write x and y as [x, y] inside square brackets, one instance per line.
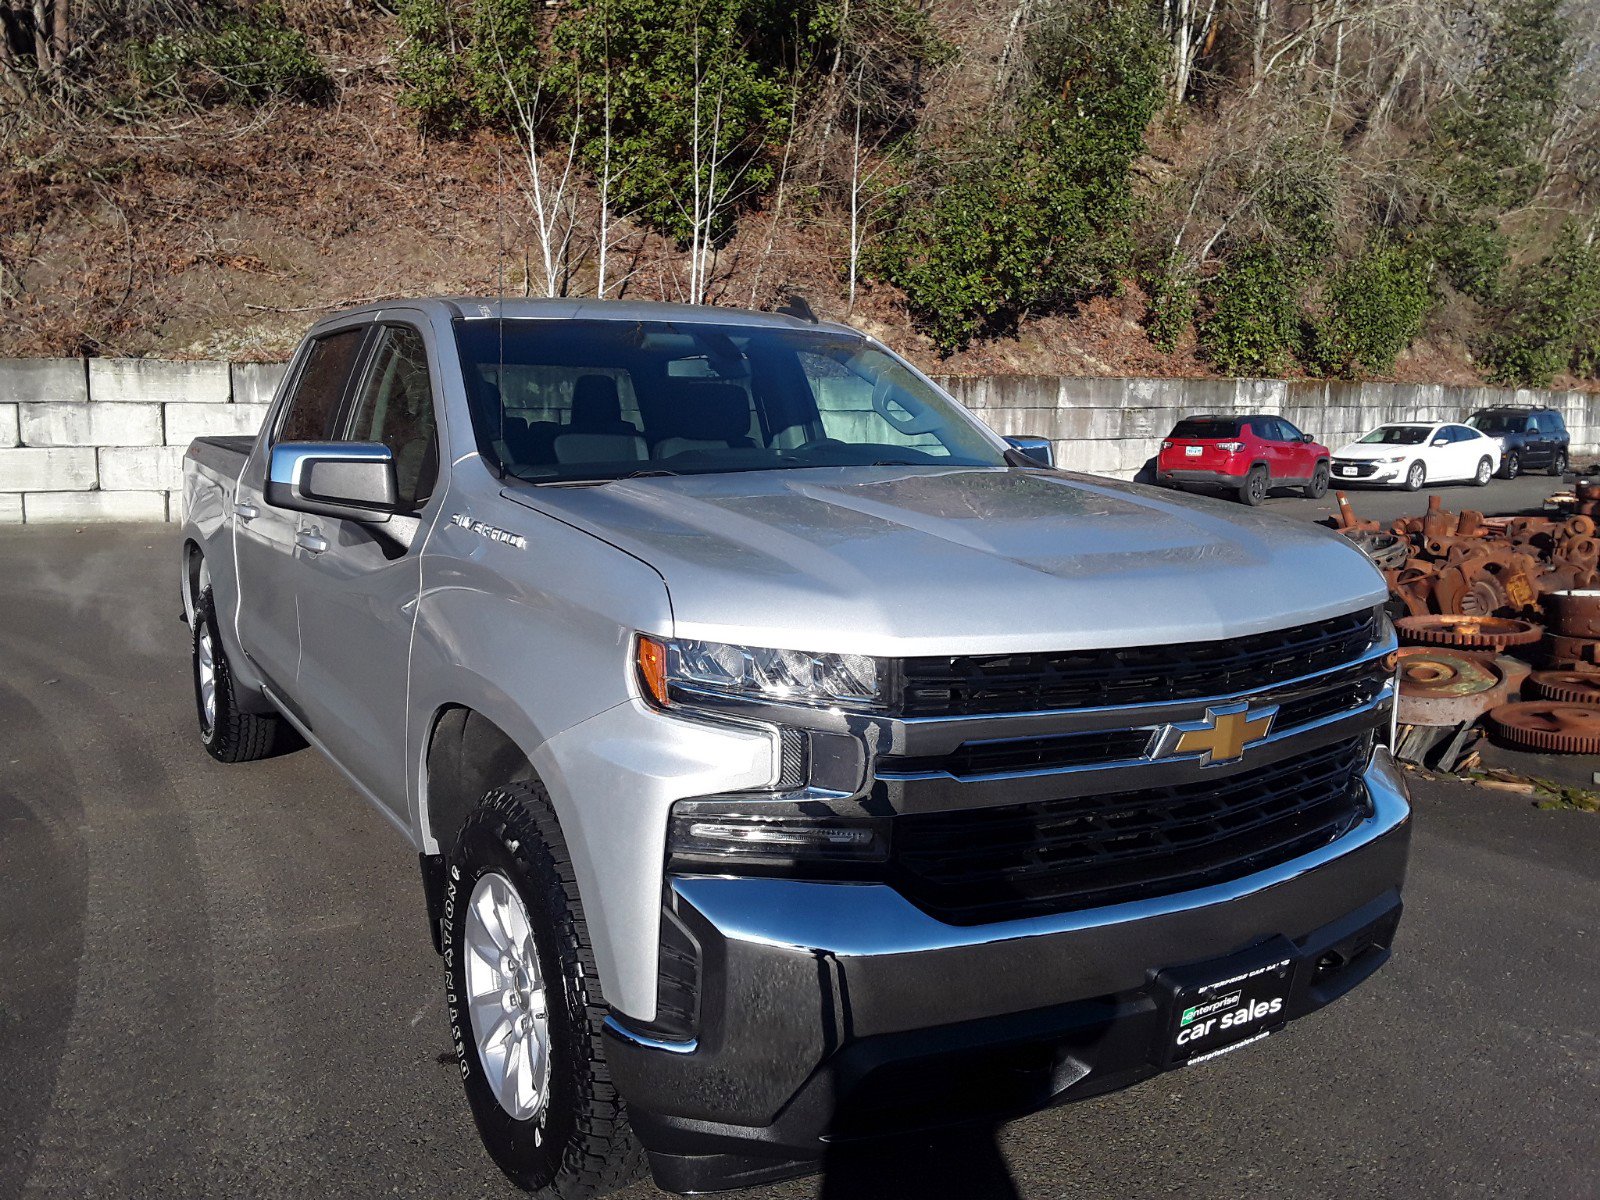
[965, 1161]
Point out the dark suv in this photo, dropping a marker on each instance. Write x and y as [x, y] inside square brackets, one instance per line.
[1528, 437]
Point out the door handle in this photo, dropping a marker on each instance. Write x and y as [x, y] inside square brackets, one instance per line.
[311, 541]
[246, 512]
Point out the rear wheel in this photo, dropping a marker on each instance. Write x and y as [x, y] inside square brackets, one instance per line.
[1318, 487]
[1416, 476]
[525, 1005]
[1254, 488]
[1510, 465]
[1485, 470]
[1558, 464]
[228, 734]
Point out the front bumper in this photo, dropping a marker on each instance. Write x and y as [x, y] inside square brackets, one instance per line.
[835, 1011]
[1366, 470]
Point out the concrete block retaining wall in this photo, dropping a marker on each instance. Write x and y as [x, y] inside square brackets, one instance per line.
[103, 439]
[1115, 426]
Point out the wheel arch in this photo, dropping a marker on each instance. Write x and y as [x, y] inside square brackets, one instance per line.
[465, 755]
[193, 568]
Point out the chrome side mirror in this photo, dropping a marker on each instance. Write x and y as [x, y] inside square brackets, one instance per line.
[1041, 450]
[353, 481]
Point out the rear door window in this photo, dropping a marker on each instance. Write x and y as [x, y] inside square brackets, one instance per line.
[310, 413]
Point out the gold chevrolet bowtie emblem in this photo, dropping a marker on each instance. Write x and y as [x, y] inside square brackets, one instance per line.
[1224, 734]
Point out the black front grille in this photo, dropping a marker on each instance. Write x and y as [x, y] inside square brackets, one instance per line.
[1050, 752]
[1339, 692]
[989, 864]
[973, 685]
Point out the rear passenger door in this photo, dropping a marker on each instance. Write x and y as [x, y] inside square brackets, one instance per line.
[358, 583]
[264, 541]
[1280, 459]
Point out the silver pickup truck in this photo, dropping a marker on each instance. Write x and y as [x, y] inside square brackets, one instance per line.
[790, 759]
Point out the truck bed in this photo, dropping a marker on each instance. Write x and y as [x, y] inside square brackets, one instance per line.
[224, 455]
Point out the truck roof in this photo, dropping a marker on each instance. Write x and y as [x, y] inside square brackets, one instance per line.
[477, 308]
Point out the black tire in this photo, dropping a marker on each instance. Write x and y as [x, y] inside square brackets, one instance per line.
[1485, 472]
[579, 1143]
[1510, 465]
[1558, 464]
[1416, 476]
[228, 734]
[1318, 487]
[1255, 486]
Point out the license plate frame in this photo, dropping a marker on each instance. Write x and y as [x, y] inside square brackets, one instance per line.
[1347, 471]
[1193, 451]
[1220, 1006]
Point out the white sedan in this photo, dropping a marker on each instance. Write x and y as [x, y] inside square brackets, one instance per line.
[1410, 453]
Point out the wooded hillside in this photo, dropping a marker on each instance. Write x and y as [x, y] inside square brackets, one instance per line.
[1357, 188]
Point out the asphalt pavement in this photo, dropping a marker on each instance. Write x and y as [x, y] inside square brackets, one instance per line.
[216, 981]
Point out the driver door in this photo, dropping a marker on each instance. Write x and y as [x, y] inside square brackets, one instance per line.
[264, 538]
[359, 582]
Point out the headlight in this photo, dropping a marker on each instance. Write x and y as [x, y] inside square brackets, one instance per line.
[676, 669]
[1395, 458]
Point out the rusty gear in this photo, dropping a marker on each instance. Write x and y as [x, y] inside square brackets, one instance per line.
[1487, 633]
[1446, 687]
[1550, 726]
[1559, 650]
[1568, 687]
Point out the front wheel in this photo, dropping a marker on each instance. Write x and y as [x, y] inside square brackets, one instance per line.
[1416, 476]
[1485, 470]
[1318, 487]
[228, 734]
[525, 1006]
[1558, 464]
[1510, 466]
[1254, 488]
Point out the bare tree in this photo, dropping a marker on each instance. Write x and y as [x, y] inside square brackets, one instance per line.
[551, 190]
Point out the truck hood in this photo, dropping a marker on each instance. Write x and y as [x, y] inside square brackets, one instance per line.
[904, 561]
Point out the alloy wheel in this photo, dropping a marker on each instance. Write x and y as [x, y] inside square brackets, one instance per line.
[506, 998]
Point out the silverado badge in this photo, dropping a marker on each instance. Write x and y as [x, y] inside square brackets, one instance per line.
[1222, 736]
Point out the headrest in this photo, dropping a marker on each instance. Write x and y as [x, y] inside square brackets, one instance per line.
[595, 407]
[712, 412]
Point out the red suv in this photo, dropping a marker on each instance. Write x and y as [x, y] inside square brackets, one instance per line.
[1246, 456]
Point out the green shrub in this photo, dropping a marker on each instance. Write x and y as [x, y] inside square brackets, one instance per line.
[1551, 322]
[1037, 219]
[1172, 308]
[248, 58]
[1473, 257]
[741, 52]
[1375, 306]
[461, 62]
[1252, 320]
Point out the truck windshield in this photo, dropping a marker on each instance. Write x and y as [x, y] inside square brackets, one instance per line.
[578, 401]
[1397, 435]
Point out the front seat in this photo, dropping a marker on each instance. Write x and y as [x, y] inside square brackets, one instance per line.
[596, 432]
[708, 416]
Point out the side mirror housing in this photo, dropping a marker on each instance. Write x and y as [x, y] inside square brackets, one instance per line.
[1307, 438]
[1439, 441]
[1039, 449]
[353, 481]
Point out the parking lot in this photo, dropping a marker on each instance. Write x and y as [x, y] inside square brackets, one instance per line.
[217, 980]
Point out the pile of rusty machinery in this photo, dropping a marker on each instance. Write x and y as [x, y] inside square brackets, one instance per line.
[1480, 603]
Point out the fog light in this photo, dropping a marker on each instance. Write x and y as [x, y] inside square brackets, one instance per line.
[706, 839]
